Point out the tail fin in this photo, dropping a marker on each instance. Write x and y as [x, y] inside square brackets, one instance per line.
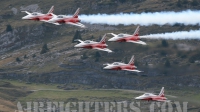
[131, 62]
[162, 92]
[51, 10]
[76, 13]
[103, 40]
[136, 33]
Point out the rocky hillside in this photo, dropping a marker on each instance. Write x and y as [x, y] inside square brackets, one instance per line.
[167, 63]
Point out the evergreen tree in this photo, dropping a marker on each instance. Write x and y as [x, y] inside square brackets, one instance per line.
[77, 35]
[136, 63]
[97, 59]
[9, 28]
[179, 3]
[184, 1]
[84, 56]
[33, 55]
[44, 49]
[164, 43]
[194, 3]
[97, 55]
[18, 60]
[122, 1]
[167, 63]
[125, 60]
[25, 56]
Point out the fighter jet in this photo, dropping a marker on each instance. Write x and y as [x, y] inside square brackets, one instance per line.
[74, 20]
[39, 16]
[135, 38]
[94, 45]
[152, 97]
[122, 66]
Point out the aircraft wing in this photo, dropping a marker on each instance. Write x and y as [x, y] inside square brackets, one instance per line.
[44, 21]
[161, 100]
[104, 49]
[26, 12]
[137, 42]
[132, 70]
[106, 64]
[113, 34]
[52, 22]
[78, 40]
[76, 24]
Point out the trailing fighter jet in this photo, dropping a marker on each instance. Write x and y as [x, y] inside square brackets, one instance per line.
[122, 66]
[39, 16]
[94, 45]
[135, 38]
[74, 20]
[152, 97]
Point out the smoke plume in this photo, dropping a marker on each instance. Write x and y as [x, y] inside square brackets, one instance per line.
[187, 17]
[192, 34]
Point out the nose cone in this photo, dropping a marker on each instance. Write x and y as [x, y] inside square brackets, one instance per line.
[137, 98]
[112, 39]
[106, 67]
[78, 45]
[25, 17]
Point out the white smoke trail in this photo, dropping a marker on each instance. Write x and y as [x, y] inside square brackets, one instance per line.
[192, 34]
[187, 17]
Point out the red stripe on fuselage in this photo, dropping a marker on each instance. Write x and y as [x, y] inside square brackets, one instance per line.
[101, 46]
[132, 38]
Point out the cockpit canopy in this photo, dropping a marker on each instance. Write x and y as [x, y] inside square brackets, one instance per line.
[115, 63]
[87, 41]
[121, 35]
[60, 16]
[146, 94]
[34, 13]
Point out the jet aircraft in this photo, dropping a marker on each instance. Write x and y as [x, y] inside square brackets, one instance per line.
[94, 45]
[122, 66]
[39, 16]
[135, 38]
[152, 97]
[72, 20]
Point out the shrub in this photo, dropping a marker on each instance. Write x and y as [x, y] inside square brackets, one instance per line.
[25, 56]
[77, 35]
[84, 56]
[18, 60]
[194, 3]
[167, 63]
[164, 43]
[194, 57]
[44, 49]
[9, 28]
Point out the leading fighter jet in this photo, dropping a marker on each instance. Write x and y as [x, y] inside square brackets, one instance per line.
[39, 16]
[74, 20]
[135, 38]
[94, 45]
[122, 66]
[152, 97]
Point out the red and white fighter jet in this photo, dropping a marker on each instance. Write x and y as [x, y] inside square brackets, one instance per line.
[72, 20]
[152, 97]
[122, 66]
[39, 16]
[135, 38]
[94, 45]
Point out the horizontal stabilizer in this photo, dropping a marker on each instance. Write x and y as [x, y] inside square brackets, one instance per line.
[137, 42]
[76, 24]
[26, 12]
[104, 49]
[133, 70]
[112, 34]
